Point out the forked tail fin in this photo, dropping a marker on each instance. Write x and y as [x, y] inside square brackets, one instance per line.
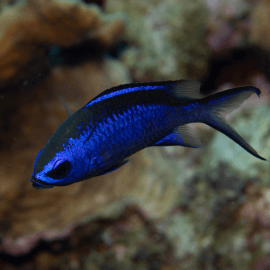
[217, 106]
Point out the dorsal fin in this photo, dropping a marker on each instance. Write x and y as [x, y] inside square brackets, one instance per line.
[64, 104]
[185, 89]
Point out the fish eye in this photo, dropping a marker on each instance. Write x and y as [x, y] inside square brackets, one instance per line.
[60, 170]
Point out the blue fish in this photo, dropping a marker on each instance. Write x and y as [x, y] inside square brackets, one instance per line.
[99, 137]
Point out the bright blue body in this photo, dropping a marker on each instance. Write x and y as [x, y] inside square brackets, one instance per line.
[121, 121]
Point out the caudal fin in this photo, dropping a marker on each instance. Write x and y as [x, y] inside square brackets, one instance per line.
[217, 106]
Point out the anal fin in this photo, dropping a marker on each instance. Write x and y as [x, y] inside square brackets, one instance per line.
[183, 136]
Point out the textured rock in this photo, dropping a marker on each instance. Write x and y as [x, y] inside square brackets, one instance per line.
[195, 209]
[27, 215]
[259, 24]
[229, 25]
[214, 216]
[28, 127]
[167, 38]
[251, 125]
[229, 9]
[30, 115]
[29, 118]
[30, 28]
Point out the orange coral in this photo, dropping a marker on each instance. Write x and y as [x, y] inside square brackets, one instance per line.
[30, 27]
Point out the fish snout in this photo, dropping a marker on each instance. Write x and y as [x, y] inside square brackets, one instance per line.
[38, 184]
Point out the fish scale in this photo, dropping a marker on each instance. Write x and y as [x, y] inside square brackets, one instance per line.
[127, 135]
[99, 137]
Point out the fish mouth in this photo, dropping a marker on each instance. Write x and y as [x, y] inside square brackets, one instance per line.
[38, 184]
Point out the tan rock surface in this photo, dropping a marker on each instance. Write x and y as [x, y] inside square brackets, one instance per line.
[29, 28]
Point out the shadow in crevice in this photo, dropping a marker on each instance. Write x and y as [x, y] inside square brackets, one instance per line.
[236, 66]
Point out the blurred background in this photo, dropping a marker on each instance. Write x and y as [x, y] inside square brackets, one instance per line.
[169, 208]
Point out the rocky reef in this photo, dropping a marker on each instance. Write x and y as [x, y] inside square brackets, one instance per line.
[168, 208]
[167, 38]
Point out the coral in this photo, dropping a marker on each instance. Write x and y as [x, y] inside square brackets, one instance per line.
[167, 38]
[222, 36]
[213, 216]
[259, 25]
[30, 28]
[229, 24]
[228, 9]
[256, 209]
[129, 241]
[247, 238]
[29, 126]
[30, 117]
[27, 214]
[5, 3]
[191, 208]
[259, 32]
[132, 243]
[234, 37]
